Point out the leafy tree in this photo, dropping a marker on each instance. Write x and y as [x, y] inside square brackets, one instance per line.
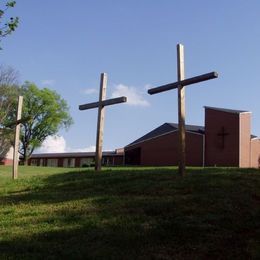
[8, 25]
[8, 91]
[8, 96]
[48, 113]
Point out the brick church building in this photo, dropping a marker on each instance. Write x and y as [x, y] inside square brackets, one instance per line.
[225, 140]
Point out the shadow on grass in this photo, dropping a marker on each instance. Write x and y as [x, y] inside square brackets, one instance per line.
[138, 182]
[137, 214]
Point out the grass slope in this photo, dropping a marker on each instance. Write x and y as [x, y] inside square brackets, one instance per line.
[131, 213]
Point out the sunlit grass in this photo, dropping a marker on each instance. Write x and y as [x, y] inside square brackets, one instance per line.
[129, 213]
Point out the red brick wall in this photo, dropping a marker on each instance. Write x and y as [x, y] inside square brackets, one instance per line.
[255, 153]
[215, 153]
[163, 150]
[7, 161]
[77, 162]
[118, 160]
[60, 162]
[245, 139]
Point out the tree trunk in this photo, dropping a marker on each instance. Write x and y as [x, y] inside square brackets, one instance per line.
[25, 162]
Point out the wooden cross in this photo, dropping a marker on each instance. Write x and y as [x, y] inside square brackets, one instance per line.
[180, 85]
[101, 115]
[17, 123]
[17, 137]
[223, 134]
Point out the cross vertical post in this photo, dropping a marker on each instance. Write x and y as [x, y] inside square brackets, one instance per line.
[100, 121]
[180, 85]
[181, 108]
[101, 104]
[17, 138]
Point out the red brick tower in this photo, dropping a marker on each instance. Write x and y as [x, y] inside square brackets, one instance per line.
[227, 137]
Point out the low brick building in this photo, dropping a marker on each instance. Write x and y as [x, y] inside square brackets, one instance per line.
[225, 140]
[160, 147]
[6, 149]
[83, 159]
[6, 157]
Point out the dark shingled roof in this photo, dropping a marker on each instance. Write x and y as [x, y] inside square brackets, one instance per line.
[165, 129]
[227, 110]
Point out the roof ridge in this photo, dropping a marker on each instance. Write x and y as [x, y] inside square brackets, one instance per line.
[166, 128]
[186, 125]
[227, 110]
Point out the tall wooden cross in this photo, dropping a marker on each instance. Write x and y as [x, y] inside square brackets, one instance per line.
[17, 137]
[101, 116]
[180, 85]
[17, 123]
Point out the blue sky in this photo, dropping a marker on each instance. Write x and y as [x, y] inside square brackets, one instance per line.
[65, 45]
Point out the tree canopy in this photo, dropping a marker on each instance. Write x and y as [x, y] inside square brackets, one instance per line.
[7, 24]
[47, 113]
[8, 91]
[8, 95]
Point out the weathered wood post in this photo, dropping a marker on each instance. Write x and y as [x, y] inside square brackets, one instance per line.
[180, 85]
[181, 109]
[17, 138]
[100, 121]
[101, 116]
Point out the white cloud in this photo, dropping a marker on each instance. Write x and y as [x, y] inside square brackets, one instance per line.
[57, 144]
[53, 144]
[90, 91]
[48, 82]
[134, 97]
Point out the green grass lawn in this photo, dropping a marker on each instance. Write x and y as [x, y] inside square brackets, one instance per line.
[130, 213]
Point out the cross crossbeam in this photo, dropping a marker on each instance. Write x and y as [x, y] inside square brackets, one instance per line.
[180, 85]
[20, 121]
[185, 82]
[104, 103]
[101, 104]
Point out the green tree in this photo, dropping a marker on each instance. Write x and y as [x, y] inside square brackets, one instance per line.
[7, 25]
[8, 96]
[8, 91]
[48, 113]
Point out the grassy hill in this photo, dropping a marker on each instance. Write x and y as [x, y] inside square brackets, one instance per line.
[130, 213]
